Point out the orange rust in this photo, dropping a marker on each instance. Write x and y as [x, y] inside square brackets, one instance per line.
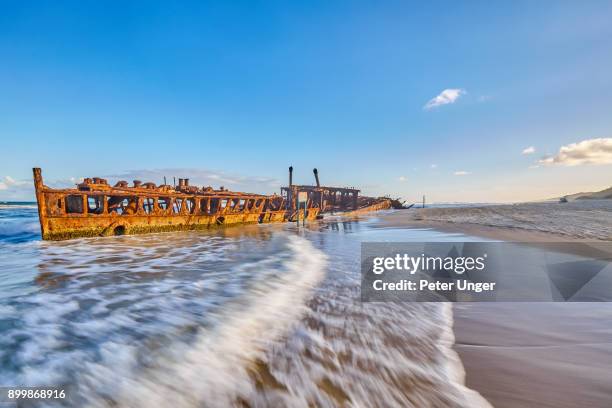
[94, 208]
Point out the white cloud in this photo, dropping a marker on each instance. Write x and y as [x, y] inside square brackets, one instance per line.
[461, 173]
[529, 150]
[434, 166]
[445, 97]
[402, 178]
[8, 182]
[16, 190]
[591, 151]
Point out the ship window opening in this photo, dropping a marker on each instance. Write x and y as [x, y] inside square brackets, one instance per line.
[234, 204]
[241, 204]
[131, 207]
[214, 205]
[258, 203]
[176, 207]
[74, 204]
[224, 203]
[119, 205]
[164, 203]
[190, 205]
[95, 204]
[147, 205]
[204, 205]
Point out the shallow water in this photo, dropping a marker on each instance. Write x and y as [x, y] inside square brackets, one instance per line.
[257, 315]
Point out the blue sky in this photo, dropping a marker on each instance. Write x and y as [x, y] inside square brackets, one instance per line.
[238, 91]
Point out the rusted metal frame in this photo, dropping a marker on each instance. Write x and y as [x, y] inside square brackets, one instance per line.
[40, 199]
[172, 206]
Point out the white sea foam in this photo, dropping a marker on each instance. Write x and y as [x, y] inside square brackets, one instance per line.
[213, 369]
[192, 319]
[7, 206]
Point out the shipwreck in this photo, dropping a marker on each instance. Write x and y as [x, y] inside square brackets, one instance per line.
[95, 208]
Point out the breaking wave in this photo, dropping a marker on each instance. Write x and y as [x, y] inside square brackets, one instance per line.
[213, 369]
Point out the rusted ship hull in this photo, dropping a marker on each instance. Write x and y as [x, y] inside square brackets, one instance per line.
[383, 204]
[95, 208]
[61, 228]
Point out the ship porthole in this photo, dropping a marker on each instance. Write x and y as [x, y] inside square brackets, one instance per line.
[220, 220]
[119, 230]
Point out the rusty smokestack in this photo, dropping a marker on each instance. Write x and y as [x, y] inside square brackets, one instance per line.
[316, 173]
[290, 176]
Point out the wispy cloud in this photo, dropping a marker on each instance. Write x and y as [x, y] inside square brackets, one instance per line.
[203, 177]
[11, 189]
[529, 150]
[591, 151]
[461, 173]
[402, 178]
[445, 97]
[8, 182]
[434, 166]
[16, 190]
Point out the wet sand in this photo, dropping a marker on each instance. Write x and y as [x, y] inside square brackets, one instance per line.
[530, 354]
[537, 354]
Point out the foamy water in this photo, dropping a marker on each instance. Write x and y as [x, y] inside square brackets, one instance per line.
[258, 316]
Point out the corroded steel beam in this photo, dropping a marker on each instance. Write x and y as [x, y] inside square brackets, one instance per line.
[328, 199]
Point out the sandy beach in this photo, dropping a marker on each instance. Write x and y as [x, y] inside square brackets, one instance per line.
[530, 354]
[577, 220]
[536, 354]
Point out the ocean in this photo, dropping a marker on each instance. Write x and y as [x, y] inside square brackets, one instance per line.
[260, 315]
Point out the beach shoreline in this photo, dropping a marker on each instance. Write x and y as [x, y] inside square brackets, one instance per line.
[529, 354]
[530, 222]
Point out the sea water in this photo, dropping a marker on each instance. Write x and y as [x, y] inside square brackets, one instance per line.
[262, 315]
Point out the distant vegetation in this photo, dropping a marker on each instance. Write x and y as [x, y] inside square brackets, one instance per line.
[603, 194]
[598, 195]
